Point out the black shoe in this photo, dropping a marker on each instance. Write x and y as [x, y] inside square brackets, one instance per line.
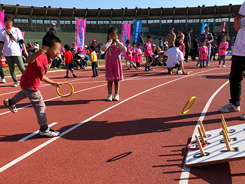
[66, 76]
[170, 71]
[93, 75]
[74, 75]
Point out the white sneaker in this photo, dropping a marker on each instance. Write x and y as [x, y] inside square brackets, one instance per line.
[109, 98]
[116, 97]
[49, 133]
[12, 108]
[179, 72]
[219, 66]
[16, 84]
[229, 108]
[3, 81]
[242, 116]
[223, 66]
[138, 68]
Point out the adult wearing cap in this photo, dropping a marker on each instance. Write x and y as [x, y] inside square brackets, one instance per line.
[12, 40]
[52, 30]
[171, 37]
[237, 65]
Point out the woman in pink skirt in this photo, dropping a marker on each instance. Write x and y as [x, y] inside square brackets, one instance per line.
[113, 65]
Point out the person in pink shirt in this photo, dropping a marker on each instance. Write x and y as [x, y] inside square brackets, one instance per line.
[128, 56]
[222, 51]
[203, 54]
[133, 52]
[38, 65]
[138, 56]
[113, 65]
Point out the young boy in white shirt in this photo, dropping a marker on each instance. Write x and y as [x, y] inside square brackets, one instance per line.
[175, 59]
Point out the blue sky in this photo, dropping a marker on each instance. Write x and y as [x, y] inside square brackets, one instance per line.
[107, 4]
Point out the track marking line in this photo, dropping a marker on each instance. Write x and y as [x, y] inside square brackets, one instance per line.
[35, 133]
[186, 171]
[10, 164]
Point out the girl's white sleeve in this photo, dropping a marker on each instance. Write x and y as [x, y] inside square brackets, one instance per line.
[121, 47]
[105, 46]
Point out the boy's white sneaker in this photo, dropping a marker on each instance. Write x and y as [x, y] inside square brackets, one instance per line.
[242, 116]
[49, 133]
[12, 108]
[223, 66]
[229, 108]
[16, 84]
[109, 98]
[116, 97]
[179, 72]
[3, 81]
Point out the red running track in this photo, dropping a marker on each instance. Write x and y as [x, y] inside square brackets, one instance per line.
[140, 139]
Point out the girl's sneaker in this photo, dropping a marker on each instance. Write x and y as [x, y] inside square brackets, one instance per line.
[223, 66]
[3, 80]
[219, 66]
[229, 108]
[12, 108]
[74, 75]
[49, 133]
[116, 97]
[138, 68]
[16, 84]
[109, 98]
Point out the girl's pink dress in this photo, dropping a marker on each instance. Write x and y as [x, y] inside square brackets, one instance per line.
[203, 51]
[133, 54]
[140, 58]
[181, 48]
[113, 64]
[128, 56]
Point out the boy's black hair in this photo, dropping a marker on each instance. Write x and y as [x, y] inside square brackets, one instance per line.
[149, 36]
[190, 29]
[139, 44]
[177, 43]
[226, 32]
[214, 34]
[50, 40]
[72, 49]
[206, 27]
[67, 47]
[222, 32]
[111, 30]
[7, 17]
[127, 41]
[141, 32]
[181, 29]
[134, 43]
[92, 47]
[195, 36]
[160, 38]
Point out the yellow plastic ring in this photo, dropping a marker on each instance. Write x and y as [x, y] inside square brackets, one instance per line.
[72, 91]
[192, 98]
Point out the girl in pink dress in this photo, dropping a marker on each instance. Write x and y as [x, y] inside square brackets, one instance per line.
[113, 66]
[133, 52]
[138, 54]
[222, 51]
[203, 54]
[128, 56]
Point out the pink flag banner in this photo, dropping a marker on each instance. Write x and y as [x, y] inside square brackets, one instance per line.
[126, 33]
[2, 25]
[81, 29]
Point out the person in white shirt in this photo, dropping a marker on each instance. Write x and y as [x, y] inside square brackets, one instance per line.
[12, 40]
[238, 65]
[175, 59]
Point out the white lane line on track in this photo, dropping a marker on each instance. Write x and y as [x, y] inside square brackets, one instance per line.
[186, 171]
[10, 164]
[44, 85]
[35, 133]
[67, 94]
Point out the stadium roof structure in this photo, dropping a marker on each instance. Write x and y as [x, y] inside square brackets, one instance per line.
[47, 12]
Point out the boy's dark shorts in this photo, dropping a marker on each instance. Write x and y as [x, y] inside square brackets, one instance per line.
[148, 59]
[69, 66]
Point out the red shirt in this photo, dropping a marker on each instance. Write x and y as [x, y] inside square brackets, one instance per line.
[68, 55]
[33, 75]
